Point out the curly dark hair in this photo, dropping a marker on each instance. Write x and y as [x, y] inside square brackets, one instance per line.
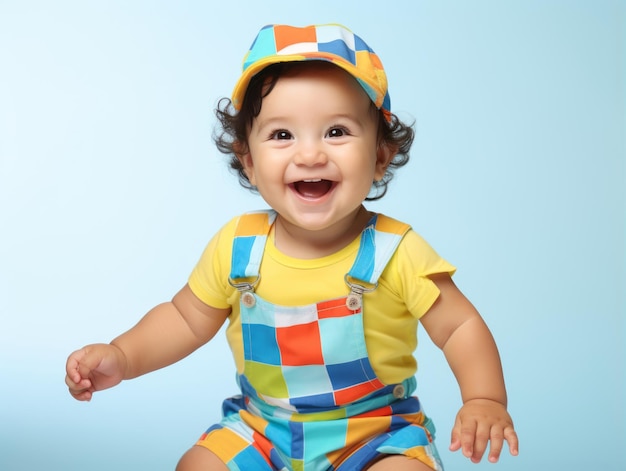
[231, 134]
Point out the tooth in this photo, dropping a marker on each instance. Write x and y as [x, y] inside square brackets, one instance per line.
[312, 180]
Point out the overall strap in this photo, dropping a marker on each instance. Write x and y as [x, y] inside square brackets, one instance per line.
[379, 241]
[249, 243]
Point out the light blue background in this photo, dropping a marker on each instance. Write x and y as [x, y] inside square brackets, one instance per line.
[110, 186]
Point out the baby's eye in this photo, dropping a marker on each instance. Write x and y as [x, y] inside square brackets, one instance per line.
[280, 134]
[337, 132]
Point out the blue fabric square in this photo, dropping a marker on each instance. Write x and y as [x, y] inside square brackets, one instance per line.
[404, 439]
[336, 346]
[348, 374]
[263, 45]
[320, 438]
[250, 458]
[316, 402]
[242, 246]
[360, 45]
[261, 344]
[275, 433]
[276, 460]
[307, 380]
[297, 439]
[364, 455]
[364, 264]
[339, 48]
[410, 405]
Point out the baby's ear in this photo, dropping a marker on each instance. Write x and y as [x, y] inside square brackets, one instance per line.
[242, 152]
[384, 155]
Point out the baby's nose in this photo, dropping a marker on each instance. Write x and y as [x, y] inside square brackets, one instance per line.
[310, 154]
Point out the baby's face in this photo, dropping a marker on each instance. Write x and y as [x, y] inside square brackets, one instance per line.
[313, 151]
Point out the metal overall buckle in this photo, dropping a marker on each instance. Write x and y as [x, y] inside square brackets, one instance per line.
[354, 301]
[246, 290]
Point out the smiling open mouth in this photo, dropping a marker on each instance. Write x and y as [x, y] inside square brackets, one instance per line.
[312, 188]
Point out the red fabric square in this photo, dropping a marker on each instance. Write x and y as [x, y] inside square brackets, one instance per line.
[351, 394]
[334, 308]
[263, 446]
[300, 345]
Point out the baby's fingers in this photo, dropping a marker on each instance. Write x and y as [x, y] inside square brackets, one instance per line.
[77, 376]
[498, 436]
[75, 367]
[511, 438]
[497, 442]
[474, 440]
[463, 438]
[74, 378]
[82, 395]
[79, 388]
[455, 439]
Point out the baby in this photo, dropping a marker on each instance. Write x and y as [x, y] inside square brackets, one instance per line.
[322, 297]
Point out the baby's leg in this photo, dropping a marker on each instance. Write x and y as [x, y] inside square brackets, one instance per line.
[398, 463]
[199, 458]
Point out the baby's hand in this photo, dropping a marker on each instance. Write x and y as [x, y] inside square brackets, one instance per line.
[478, 422]
[93, 368]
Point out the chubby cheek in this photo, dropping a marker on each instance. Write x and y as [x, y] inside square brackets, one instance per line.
[264, 177]
[371, 171]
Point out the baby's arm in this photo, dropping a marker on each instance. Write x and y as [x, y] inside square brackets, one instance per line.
[457, 328]
[166, 334]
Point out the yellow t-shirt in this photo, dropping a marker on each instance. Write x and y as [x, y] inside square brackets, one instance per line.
[390, 313]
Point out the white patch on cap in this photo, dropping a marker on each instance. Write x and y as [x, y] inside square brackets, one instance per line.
[297, 48]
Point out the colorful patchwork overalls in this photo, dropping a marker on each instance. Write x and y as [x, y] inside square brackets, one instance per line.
[310, 398]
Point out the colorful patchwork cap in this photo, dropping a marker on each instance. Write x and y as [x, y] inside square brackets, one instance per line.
[331, 42]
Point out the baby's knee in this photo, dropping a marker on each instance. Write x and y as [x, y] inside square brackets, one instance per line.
[397, 463]
[198, 458]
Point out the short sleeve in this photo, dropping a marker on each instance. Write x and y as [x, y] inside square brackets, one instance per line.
[416, 261]
[209, 278]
